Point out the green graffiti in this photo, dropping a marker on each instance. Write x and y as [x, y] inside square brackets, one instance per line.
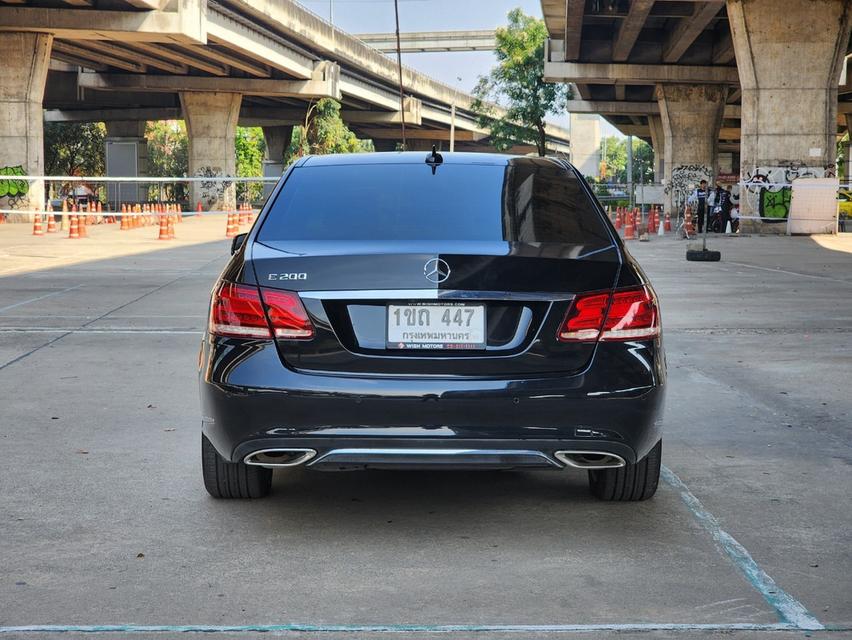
[775, 204]
[13, 188]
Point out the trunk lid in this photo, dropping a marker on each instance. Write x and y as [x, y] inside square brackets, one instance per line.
[524, 288]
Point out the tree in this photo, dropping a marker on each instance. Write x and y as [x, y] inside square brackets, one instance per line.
[616, 160]
[168, 155]
[74, 148]
[324, 132]
[517, 83]
[250, 146]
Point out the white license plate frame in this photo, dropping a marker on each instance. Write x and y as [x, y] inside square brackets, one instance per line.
[429, 330]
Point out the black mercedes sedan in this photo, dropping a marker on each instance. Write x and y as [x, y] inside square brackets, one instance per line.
[427, 311]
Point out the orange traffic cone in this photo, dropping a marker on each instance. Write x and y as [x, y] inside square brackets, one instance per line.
[171, 226]
[164, 229]
[667, 225]
[629, 228]
[38, 229]
[123, 217]
[198, 208]
[81, 226]
[51, 219]
[619, 219]
[232, 229]
[687, 222]
[74, 229]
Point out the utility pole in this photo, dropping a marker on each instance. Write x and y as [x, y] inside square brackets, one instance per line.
[399, 68]
[630, 169]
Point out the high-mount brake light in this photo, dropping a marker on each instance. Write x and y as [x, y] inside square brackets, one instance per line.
[244, 311]
[626, 314]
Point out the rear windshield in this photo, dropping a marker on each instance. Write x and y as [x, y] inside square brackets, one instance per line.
[525, 201]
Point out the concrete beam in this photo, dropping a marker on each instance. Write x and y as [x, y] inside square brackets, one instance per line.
[103, 49]
[227, 32]
[688, 29]
[603, 73]
[158, 51]
[112, 115]
[259, 70]
[420, 134]
[630, 28]
[432, 41]
[83, 53]
[630, 108]
[184, 25]
[574, 10]
[325, 86]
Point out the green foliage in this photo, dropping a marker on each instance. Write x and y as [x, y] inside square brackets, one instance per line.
[250, 147]
[616, 160]
[517, 83]
[74, 148]
[168, 155]
[324, 132]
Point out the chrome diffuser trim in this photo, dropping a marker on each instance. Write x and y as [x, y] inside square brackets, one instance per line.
[573, 459]
[307, 454]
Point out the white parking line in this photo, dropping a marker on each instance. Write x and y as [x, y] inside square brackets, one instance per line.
[47, 295]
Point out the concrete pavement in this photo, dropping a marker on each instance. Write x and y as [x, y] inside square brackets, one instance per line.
[105, 519]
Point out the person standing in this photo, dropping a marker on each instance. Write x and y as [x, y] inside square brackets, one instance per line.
[699, 200]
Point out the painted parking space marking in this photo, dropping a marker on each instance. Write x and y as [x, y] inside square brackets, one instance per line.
[789, 609]
[47, 295]
[793, 615]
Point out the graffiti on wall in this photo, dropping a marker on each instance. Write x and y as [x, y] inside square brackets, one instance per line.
[768, 190]
[211, 191]
[684, 179]
[13, 192]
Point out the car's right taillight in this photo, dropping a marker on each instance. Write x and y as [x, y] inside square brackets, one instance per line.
[244, 311]
[626, 314]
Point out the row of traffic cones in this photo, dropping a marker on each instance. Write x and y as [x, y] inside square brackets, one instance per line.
[631, 221]
[242, 216]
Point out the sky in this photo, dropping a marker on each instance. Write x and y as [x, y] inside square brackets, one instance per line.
[459, 69]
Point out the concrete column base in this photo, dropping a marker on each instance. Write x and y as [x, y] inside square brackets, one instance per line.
[26, 57]
[211, 125]
[126, 155]
[691, 116]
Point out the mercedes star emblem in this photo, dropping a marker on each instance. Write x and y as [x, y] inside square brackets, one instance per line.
[436, 270]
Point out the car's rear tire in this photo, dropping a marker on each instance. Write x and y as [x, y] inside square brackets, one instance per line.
[224, 479]
[630, 483]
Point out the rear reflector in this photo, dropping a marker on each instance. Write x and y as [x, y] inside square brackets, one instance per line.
[626, 314]
[239, 311]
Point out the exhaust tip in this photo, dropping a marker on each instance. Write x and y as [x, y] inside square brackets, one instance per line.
[590, 459]
[273, 458]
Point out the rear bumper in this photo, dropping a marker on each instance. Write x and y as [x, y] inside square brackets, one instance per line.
[250, 401]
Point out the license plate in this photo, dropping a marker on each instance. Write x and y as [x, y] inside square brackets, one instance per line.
[436, 326]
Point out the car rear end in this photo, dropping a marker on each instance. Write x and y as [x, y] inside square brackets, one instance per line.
[413, 311]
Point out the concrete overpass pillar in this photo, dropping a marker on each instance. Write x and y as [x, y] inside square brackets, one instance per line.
[847, 152]
[277, 140]
[211, 125]
[126, 155]
[26, 57]
[691, 116]
[658, 142]
[789, 60]
[380, 144]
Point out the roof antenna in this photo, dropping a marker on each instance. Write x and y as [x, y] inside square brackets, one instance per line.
[434, 159]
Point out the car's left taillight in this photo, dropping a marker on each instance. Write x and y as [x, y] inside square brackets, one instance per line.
[624, 314]
[244, 311]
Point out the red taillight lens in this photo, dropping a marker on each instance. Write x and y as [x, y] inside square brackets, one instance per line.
[632, 316]
[584, 319]
[287, 315]
[238, 310]
[628, 314]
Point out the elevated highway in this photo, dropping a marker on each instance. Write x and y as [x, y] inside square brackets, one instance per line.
[752, 87]
[216, 63]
